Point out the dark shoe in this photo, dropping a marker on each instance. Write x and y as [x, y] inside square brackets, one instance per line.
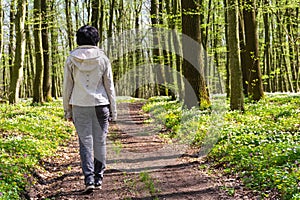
[89, 187]
[98, 183]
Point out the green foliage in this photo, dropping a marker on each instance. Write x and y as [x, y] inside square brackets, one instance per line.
[187, 126]
[27, 134]
[149, 183]
[261, 145]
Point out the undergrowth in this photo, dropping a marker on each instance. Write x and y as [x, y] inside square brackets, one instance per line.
[261, 146]
[27, 134]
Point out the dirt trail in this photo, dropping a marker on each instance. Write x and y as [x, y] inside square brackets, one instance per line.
[140, 166]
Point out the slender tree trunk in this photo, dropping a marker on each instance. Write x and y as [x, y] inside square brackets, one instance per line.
[46, 51]
[192, 57]
[177, 47]
[69, 24]
[296, 46]
[101, 22]
[170, 75]
[38, 80]
[1, 49]
[11, 37]
[77, 20]
[110, 25]
[244, 58]
[17, 71]
[227, 50]
[236, 91]
[291, 44]
[204, 37]
[267, 60]
[54, 52]
[29, 56]
[1, 30]
[156, 45]
[138, 52]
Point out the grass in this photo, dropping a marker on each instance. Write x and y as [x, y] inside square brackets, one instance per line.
[261, 146]
[27, 134]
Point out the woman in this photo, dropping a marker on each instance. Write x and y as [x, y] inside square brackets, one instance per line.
[89, 101]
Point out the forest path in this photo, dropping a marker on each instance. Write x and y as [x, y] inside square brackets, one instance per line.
[140, 165]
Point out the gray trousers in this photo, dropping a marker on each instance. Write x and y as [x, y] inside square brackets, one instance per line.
[91, 124]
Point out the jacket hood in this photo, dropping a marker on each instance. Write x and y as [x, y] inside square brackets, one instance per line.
[86, 57]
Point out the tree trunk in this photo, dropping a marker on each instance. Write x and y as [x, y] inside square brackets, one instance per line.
[296, 46]
[38, 80]
[267, 60]
[54, 52]
[30, 56]
[110, 25]
[236, 90]
[96, 13]
[69, 24]
[1, 49]
[1, 29]
[255, 88]
[11, 37]
[243, 54]
[156, 46]
[17, 71]
[196, 93]
[227, 50]
[46, 51]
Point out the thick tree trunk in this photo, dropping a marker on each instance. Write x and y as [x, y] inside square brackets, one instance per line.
[17, 71]
[236, 90]
[255, 88]
[192, 57]
[96, 13]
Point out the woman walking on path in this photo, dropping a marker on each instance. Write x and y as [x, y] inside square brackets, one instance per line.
[89, 101]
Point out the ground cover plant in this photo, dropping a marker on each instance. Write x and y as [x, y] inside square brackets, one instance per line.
[260, 146]
[28, 133]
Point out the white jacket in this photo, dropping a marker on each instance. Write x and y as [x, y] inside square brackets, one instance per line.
[88, 80]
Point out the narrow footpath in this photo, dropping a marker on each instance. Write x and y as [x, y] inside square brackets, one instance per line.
[140, 166]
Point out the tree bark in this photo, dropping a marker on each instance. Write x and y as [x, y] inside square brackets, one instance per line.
[255, 88]
[1, 48]
[30, 57]
[46, 51]
[96, 13]
[38, 80]
[156, 46]
[11, 37]
[236, 90]
[192, 57]
[54, 52]
[17, 71]
[69, 24]
[267, 52]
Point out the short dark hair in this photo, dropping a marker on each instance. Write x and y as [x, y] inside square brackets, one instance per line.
[87, 35]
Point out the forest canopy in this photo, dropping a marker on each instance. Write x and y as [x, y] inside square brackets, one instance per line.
[184, 49]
